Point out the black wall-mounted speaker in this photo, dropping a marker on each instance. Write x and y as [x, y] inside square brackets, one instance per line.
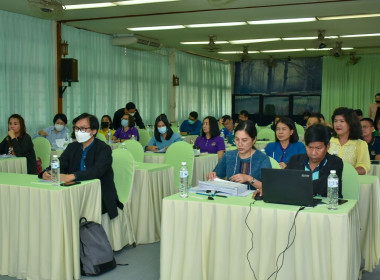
[69, 70]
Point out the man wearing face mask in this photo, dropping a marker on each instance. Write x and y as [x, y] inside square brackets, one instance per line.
[58, 131]
[374, 109]
[130, 108]
[191, 126]
[89, 158]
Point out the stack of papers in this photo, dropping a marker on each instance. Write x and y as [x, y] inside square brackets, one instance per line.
[223, 186]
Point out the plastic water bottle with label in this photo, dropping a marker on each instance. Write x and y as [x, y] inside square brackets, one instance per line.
[55, 171]
[109, 136]
[133, 137]
[183, 181]
[123, 146]
[332, 191]
[222, 134]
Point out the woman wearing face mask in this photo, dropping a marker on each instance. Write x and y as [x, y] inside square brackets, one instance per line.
[127, 130]
[58, 131]
[106, 126]
[18, 143]
[163, 135]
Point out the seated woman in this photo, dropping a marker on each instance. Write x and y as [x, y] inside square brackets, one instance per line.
[286, 144]
[127, 130]
[19, 143]
[346, 142]
[106, 126]
[58, 131]
[210, 141]
[244, 164]
[163, 135]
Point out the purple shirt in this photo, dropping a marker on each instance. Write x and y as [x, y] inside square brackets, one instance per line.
[212, 145]
[121, 134]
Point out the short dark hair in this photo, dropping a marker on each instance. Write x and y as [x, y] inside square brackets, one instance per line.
[94, 123]
[358, 112]
[317, 133]
[214, 127]
[165, 120]
[368, 120]
[292, 126]
[247, 126]
[61, 117]
[316, 115]
[194, 114]
[131, 120]
[321, 116]
[226, 117]
[244, 113]
[22, 123]
[377, 94]
[110, 120]
[352, 121]
[130, 105]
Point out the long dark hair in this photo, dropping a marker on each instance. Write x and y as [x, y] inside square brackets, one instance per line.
[110, 120]
[214, 127]
[292, 126]
[22, 123]
[164, 119]
[352, 121]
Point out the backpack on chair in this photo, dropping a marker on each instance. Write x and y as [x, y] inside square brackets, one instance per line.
[96, 255]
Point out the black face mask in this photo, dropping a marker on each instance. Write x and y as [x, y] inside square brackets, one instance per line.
[104, 124]
[378, 101]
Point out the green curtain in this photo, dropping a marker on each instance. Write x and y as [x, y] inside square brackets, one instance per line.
[205, 86]
[111, 76]
[26, 71]
[348, 85]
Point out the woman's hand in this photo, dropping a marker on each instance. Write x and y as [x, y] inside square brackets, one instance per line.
[211, 176]
[11, 134]
[151, 148]
[42, 133]
[282, 165]
[240, 178]
[46, 176]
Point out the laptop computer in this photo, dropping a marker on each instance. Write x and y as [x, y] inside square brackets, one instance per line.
[288, 186]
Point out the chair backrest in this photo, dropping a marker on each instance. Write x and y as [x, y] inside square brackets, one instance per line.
[123, 166]
[258, 128]
[274, 163]
[266, 133]
[300, 130]
[175, 128]
[42, 148]
[180, 152]
[135, 149]
[101, 137]
[350, 182]
[144, 137]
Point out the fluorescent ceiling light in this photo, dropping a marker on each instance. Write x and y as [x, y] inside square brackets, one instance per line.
[359, 35]
[156, 28]
[348, 48]
[287, 20]
[235, 52]
[90, 6]
[287, 50]
[203, 42]
[312, 49]
[299, 38]
[348, 17]
[220, 24]
[248, 41]
[137, 2]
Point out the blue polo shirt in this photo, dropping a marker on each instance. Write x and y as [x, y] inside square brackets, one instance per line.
[193, 129]
[374, 147]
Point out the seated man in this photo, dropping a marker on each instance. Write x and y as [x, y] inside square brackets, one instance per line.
[228, 127]
[368, 126]
[317, 159]
[89, 158]
[130, 108]
[243, 116]
[313, 119]
[192, 126]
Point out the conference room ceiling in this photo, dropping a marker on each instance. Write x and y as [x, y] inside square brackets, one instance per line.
[116, 20]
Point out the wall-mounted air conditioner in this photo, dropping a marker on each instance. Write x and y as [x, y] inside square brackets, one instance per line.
[135, 41]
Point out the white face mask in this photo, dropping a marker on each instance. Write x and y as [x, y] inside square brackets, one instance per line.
[82, 136]
[132, 114]
[59, 127]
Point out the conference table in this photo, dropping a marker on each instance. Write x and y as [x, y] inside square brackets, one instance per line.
[39, 226]
[13, 165]
[204, 239]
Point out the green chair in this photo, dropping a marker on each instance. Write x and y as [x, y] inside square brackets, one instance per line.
[350, 182]
[274, 163]
[42, 148]
[176, 154]
[266, 133]
[258, 128]
[135, 149]
[175, 129]
[300, 130]
[120, 230]
[101, 137]
[144, 137]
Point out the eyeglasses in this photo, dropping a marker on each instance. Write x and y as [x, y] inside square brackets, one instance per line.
[82, 129]
[365, 127]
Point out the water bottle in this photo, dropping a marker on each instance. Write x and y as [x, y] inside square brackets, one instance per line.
[67, 141]
[109, 136]
[222, 134]
[183, 181]
[55, 176]
[133, 137]
[332, 191]
[123, 146]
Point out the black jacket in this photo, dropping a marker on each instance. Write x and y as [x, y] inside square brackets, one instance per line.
[119, 115]
[23, 147]
[98, 166]
[320, 185]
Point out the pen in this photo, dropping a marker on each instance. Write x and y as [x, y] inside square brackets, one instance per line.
[213, 195]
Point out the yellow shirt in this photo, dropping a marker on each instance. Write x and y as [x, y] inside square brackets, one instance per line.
[106, 133]
[354, 152]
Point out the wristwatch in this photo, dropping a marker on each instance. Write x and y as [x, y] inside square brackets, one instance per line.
[253, 181]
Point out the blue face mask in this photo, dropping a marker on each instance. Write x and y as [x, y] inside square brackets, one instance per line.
[124, 123]
[162, 130]
[191, 121]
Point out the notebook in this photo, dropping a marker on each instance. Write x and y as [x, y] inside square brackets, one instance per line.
[288, 186]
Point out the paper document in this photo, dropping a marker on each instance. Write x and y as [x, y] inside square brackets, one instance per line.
[224, 186]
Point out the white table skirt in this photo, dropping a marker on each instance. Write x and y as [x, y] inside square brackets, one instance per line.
[39, 236]
[13, 165]
[204, 240]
